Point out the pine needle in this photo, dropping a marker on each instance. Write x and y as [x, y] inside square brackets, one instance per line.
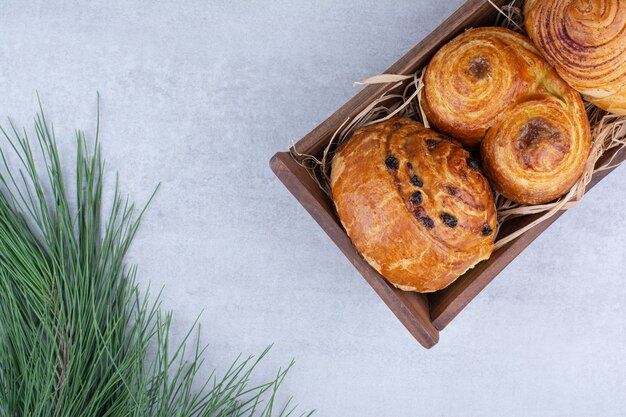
[77, 338]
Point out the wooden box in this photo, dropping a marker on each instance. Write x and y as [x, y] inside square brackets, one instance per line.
[424, 315]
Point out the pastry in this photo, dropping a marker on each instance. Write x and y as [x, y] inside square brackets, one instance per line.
[490, 86]
[474, 78]
[537, 151]
[585, 40]
[414, 203]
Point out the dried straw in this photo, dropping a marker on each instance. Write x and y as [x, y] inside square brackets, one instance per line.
[402, 98]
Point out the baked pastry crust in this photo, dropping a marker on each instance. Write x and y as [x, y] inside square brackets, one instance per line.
[537, 151]
[472, 79]
[586, 43]
[491, 86]
[414, 203]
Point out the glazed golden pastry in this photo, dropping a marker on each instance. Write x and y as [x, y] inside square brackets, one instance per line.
[414, 203]
[490, 86]
[585, 40]
[474, 78]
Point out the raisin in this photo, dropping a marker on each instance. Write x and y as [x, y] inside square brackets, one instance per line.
[451, 190]
[416, 198]
[428, 222]
[431, 143]
[473, 164]
[397, 125]
[392, 163]
[416, 181]
[487, 231]
[449, 220]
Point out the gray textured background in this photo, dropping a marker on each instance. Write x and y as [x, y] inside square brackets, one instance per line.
[199, 95]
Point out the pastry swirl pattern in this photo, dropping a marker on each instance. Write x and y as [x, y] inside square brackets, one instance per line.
[490, 87]
[585, 40]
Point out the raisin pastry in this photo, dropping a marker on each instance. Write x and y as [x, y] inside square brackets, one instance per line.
[490, 86]
[414, 203]
[585, 40]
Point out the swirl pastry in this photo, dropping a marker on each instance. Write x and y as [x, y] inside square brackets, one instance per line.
[414, 203]
[490, 86]
[585, 40]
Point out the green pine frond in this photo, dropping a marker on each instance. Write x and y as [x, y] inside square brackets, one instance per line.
[77, 338]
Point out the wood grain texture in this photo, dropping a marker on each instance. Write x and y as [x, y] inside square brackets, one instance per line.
[423, 315]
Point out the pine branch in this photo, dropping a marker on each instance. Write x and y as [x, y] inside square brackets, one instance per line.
[75, 331]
